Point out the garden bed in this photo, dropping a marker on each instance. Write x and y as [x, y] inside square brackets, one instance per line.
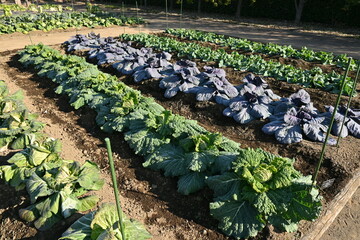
[149, 190]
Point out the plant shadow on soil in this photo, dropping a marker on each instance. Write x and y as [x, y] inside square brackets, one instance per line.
[162, 196]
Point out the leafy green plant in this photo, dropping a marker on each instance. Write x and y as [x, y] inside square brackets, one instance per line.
[314, 78]
[261, 189]
[254, 187]
[45, 21]
[58, 191]
[103, 224]
[34, 159]
[18, 128]
[268, 48]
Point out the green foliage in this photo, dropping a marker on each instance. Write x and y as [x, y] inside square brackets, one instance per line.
[62, 20]
[251, 187]
[104, 224]
[18, 128]
[268, 48]
[59, 190]
[262, 188]
[314, 78]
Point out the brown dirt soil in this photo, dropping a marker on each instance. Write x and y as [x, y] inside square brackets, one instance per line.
[147, 195]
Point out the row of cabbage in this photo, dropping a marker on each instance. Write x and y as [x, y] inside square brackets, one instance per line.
[291, 117]
[10, 8]
[314, 78]
[57, 187]
[25, 23]
[252, 188]
[271, 49]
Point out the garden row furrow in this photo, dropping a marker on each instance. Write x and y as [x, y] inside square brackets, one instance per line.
[251, 187]
[286, 51]
[313, 78]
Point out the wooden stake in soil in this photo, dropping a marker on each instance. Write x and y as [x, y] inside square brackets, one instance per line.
[116, 191]
[348, 105]
[30, 39]
[181, 10]
[331, 124]
[166, 14]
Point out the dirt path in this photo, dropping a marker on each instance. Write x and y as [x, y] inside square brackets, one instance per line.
[346, 224]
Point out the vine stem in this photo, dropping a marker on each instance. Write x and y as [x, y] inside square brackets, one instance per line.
[348, 104]
[331, 124]
[116, 191]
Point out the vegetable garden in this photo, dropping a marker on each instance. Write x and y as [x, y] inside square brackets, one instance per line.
[226, 133]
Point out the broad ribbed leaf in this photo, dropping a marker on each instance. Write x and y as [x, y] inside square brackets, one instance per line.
[37, 187]
[225, 185]
[79, 230]
[237, 219]
[191, 182]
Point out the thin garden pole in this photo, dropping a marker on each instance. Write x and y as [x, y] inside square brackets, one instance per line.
[122, 8]
[348, 104]
[116, 191]
[331, 124]
[137, 14]
[30, 39]
[181, 10]
[166, 14]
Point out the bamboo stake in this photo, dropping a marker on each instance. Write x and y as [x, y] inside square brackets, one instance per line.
[166, 14]
[181, 10]
[348, 105]
[331, 124]
[116, 191]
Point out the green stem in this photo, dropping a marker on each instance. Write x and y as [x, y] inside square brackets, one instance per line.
[348, 105]
[116, 191]
[331, 124]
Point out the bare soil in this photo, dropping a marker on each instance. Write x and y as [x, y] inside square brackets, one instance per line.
[146, 195]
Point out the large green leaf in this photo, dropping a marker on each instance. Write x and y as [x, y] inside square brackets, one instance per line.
[237, 218]
[169, 158]
[79, 230]
[191, 182]
[225, 186]
[89, 177]
[87, 203]
[37, 187]
[144, 142]
[104, 218]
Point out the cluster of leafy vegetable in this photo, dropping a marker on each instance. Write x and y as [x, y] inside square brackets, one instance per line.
[296, 116]
[182, 148]
[57, 192]
[61, 20]
[350, 118]
[52, 183]
[141, 63]
[251, 100]
[314, 78]
[261, 189]
[18, 127]
[104, 224]
[9, 8]
[265, 48]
